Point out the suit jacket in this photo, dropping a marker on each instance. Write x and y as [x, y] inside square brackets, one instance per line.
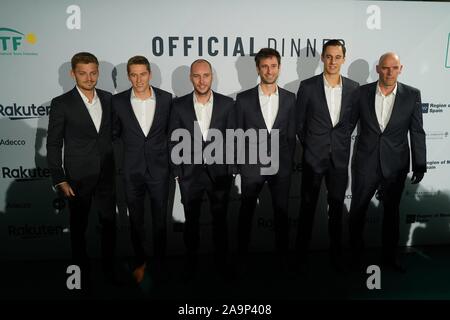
[183, 116]
[249, 116]
[143, 152]
[320, 140]
[389, 148]
[86, 152]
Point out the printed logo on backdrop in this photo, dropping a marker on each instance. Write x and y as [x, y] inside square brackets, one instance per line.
[437, 164]
[16, 43]
[17, 205]
[437, 135]
[419, 195]
[233, 46]
[15, 111]
[447, 56]
[434, 107]
[425, 218]
[21, 174]
[30, 231]
[7, 142]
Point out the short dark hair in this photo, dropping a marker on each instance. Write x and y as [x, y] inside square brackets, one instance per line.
[138, 60]
[334, 42]
[267, 53]
[83, 57]
[201, 60]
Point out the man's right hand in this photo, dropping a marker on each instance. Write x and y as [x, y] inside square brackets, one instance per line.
[66, 189]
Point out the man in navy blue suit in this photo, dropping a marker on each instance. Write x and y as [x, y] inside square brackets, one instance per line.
[140, 120]
[387, 111]
[80, 124]
[324, 105]
[269, 109]
[203, 114]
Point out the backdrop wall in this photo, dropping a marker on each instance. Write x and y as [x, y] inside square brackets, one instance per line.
[38, 38]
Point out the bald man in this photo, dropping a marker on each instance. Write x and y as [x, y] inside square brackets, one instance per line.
[208, 113]
[387, 111]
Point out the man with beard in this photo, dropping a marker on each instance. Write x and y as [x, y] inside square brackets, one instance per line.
[80, 124]
[270, 110]
[198, 113]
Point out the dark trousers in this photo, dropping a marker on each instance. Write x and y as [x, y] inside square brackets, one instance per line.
[364, 186]
[79, 206]
[336, 182]
[135, 188]
[192, 192]
[279, 190]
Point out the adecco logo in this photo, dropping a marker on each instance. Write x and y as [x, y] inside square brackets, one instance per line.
[12, 142]
[12, 41]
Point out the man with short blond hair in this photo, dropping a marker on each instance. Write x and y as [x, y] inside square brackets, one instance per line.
[80, 124]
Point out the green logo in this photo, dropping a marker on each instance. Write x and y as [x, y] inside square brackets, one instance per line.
[16, 43]
[447, 56]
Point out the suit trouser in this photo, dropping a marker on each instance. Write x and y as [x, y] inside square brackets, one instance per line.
[364, 186]
[336, 180]
[80, 205]
[136, 187]
[217, 190]
[279, 190]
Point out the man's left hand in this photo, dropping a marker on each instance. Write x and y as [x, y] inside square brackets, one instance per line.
[417, 177]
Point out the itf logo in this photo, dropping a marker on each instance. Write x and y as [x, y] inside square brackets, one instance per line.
[425, 107]
[447, 56]
[11, 42]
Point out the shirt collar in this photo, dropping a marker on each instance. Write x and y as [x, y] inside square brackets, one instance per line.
[134, 97]
[85, 99]
[325, 82]
[261, 93]
[394, 92]
[209, 102]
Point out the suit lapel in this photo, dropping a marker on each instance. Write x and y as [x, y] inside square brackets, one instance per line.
[83, 111]
[257, 109]
[396, 107]
[372, 112]
[323, 98]
[281, 97]
[127, 103]
[344, 98]
[157, 111]
[104, 111]
[214, 111]
[191, 116]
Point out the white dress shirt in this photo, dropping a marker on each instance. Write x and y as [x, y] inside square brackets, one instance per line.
[94, 108]
[383, 106]
[203, 113]
[269, 107]
[334, 98]
[144, 110]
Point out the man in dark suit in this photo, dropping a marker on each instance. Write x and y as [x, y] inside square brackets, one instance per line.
[324, 104]
[270, 110]
[140, 120]
[80, 122]
[204, 116]
[387, 111]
